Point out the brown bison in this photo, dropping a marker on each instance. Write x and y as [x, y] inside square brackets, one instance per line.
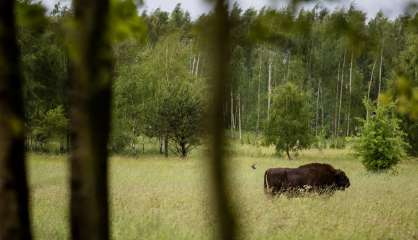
[310, 177]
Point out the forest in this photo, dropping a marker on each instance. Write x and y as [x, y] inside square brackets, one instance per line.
[338, 58]
[118, 122]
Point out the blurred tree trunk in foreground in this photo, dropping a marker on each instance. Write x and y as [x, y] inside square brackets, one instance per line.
[220, 81]
[14, 213]
[91, 56]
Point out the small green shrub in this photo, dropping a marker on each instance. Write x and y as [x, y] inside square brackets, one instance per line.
[380, 143]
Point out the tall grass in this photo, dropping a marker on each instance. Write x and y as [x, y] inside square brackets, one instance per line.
[157, 198]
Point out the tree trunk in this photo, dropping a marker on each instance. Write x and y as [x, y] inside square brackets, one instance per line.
[288, 67]
[193, 65]
[166, 64]
[288, 153]
[221, 81]
[232, 115]
[161, 144]
[166, 146]
[14, 197]
[380, 71]
[68, 140]
[183, 150]
[317, 109]
[269, 90]
[258, 97]
[197, 65]
[322, 108]
[349, 100]
[92, 64]
[341, 97]
[239, 116]
[336, 101]
[369, 88]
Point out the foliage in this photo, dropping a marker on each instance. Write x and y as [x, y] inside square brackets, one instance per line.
[288, 127]
[53, 126]
[125, 21]
[410, 127]
[380, 143]
[337, 55]
[405, 91]
[178, 117]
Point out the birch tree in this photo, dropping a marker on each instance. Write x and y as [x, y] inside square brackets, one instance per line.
[270, 62]
[341, 96]
[258, 94]
[350, 93]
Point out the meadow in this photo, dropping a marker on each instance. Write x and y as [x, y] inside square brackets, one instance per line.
[153, 197]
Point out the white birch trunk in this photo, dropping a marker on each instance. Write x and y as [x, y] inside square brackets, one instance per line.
[288, 68]
[369, 88]
[336, 100]
[341, 96]
[349, 100]
[232, 114]
[166, 64]
[317, 109]
[269, 90]
[193, 65]
[197, 65]
[258, 98]
[380, 71]
[239, 117]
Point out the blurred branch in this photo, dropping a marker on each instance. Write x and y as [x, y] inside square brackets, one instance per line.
[92, 65]
[14, 210]
[220, 39]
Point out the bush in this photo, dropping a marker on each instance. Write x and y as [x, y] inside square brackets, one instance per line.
[380, 143]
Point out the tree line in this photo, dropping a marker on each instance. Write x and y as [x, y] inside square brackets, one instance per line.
[339, 58]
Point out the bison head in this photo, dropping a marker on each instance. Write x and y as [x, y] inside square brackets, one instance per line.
[341, 180]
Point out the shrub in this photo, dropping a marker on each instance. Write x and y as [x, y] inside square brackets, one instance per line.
[380, 143]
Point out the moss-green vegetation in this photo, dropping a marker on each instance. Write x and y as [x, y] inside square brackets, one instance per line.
[157, 198]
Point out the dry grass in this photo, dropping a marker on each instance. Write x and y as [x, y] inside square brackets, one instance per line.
[157, 198]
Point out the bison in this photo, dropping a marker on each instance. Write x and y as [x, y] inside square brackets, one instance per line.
[315, 177]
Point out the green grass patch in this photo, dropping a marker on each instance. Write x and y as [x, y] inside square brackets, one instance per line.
[157, 198]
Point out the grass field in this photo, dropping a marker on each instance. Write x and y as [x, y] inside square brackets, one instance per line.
[157, 198]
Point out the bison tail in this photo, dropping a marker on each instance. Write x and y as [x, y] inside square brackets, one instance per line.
[265, 182]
